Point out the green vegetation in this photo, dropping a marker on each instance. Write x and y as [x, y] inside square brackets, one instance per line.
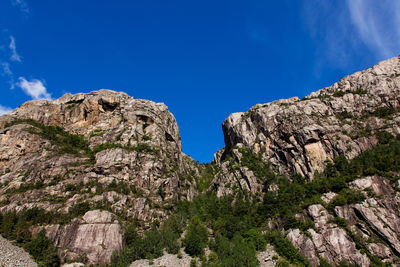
[339, 93]
[146, 137]
[344, 115]
[196, 237]
[239, 217]
[15, 226]
[97, 132]
[233, 227]
[346, 196]
[66, 142]
[206, 177]
[385, 112]
[43, 251]
[29, 186]
[150, 245]
[76, 144]
[359, 91]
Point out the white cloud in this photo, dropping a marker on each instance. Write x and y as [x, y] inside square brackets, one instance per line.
[5, 110]
[22, 5]
[5, 66]
[377, 24]
[342, 30]
[13, 48]
[34, 88]
[6, 71]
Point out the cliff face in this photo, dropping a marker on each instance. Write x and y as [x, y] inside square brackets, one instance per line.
[296, 136]
[109, 151]
[91, 162]
[301, 136]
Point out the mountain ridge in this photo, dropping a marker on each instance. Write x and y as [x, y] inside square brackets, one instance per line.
[86, 167]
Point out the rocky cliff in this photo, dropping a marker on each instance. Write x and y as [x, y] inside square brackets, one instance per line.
[303, 137]
[318, 175]
[299, 136]
[103, 150]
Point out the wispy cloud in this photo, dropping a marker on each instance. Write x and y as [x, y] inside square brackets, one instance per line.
[14, 55]
[5, 66]
[377, 23]
[342, 29]
[23, 6]
[5, 110]
[6, 71]
[34, 88]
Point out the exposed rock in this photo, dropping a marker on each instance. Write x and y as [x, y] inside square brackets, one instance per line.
[330, 242]
[327, 197]
[139, 167]
[300, 136]
[123, 161]
[167, 260]
[75, 264]
[376, 219]
[268, 257]
[13, 256]
[96, 237]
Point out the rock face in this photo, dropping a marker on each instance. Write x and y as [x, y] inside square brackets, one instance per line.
[373, 224]
[94, 161]
[96, 236]
[300, 136]
[110, 151]
[296, 136]
[330, 242]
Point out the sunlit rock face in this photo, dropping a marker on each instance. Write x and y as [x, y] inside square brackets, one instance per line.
[300, 136]
[130, 162]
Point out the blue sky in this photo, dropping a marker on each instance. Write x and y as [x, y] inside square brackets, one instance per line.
[204, 59]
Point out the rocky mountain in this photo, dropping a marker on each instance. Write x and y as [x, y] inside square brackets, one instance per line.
[102, 176]
[101, 150]
[301, 135]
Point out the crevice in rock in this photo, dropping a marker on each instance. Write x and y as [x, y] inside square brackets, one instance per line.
[74, 101]
[108, 106]
[169, 137]
[145, 120]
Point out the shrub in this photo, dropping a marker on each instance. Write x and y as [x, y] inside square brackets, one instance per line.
[285, 248]
[339, 93]
[346, 197]
[43, 251]
[384, 112]
[196, 237]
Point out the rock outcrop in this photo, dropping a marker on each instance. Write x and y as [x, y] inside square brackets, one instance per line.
[301, 135]
[102, 150]
[89, 163]
[94, 237]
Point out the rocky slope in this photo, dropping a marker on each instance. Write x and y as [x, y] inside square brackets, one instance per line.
[106, 150]
[296, 136]
[302, 135]
[85, 166]
[359, 231]
[13, 256]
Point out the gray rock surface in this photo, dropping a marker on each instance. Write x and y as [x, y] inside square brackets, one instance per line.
[95, 237]
[139, 170]
[13, 256]
[330, 242]
[300, 136]
[132, 166]
[167, 260]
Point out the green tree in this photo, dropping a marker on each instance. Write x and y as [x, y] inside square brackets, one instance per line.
[196, 237]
